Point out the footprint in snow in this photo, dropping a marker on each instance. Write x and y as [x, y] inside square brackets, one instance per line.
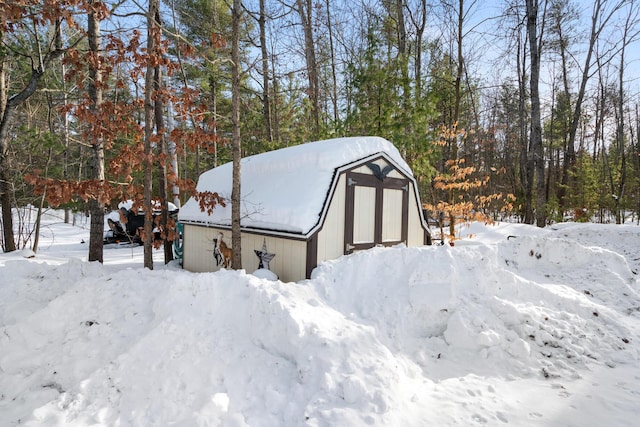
[501, 417]
[479, 418]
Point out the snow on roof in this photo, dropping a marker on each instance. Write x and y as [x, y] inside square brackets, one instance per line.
[285, 189]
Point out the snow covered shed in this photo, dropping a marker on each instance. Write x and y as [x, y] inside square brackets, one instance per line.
[307, 204]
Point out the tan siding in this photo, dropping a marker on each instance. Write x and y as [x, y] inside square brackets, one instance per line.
[289, 262]
[415, 236]
[331, 237]
[382, 163]
[198, 243]
[250, 261]
[364, 169]
[290, 255]
[395, 174]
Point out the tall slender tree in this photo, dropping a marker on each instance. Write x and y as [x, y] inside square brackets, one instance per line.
[153, 36]
[266, 94]
[603, 12]
[163, 156]
[418, 19]
[305, 9]
[236, 197]
[629, 34]
[9, 243]
[536, 149]
[562, 14]
[96, 204]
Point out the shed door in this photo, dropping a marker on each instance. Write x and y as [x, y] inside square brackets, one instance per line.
[376, 213]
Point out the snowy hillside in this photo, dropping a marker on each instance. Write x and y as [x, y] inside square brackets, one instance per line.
[539, 329]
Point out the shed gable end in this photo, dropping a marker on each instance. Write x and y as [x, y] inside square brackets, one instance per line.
[376, 210]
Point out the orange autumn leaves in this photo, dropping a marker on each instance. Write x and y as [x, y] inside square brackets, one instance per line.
[464, 190]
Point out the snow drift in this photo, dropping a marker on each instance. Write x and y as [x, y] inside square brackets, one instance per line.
[539, 329]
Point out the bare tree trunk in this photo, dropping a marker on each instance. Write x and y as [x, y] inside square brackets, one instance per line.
[235, 119]
[599, 114]
[96, 206]
[599, 140]
[65, 126]
[419, 28]
[305, 10]
[526, 159]
[334, 78]
[173, 156]
[402, 31]
[275, 99]
[36, 234]
[598, 24]
[536, 124]
[153, 30]
[214, 128]
[36, 238]
[636, 156]
[162, 164]
[266, 98]
[620, 137]
[402, 54]
[457, 102]
[551, 173]
[459, 66]
[5, 177]
[568, 146]
[52, 129]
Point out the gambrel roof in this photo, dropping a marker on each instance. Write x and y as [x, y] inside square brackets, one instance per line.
[286, 190]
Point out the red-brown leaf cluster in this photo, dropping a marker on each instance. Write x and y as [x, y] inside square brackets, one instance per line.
[209, 200]
[115, 124]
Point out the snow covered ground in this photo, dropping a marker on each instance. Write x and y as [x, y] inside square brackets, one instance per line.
[540, 329]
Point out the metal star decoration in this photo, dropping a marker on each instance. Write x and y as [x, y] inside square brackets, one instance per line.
[264, 256]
